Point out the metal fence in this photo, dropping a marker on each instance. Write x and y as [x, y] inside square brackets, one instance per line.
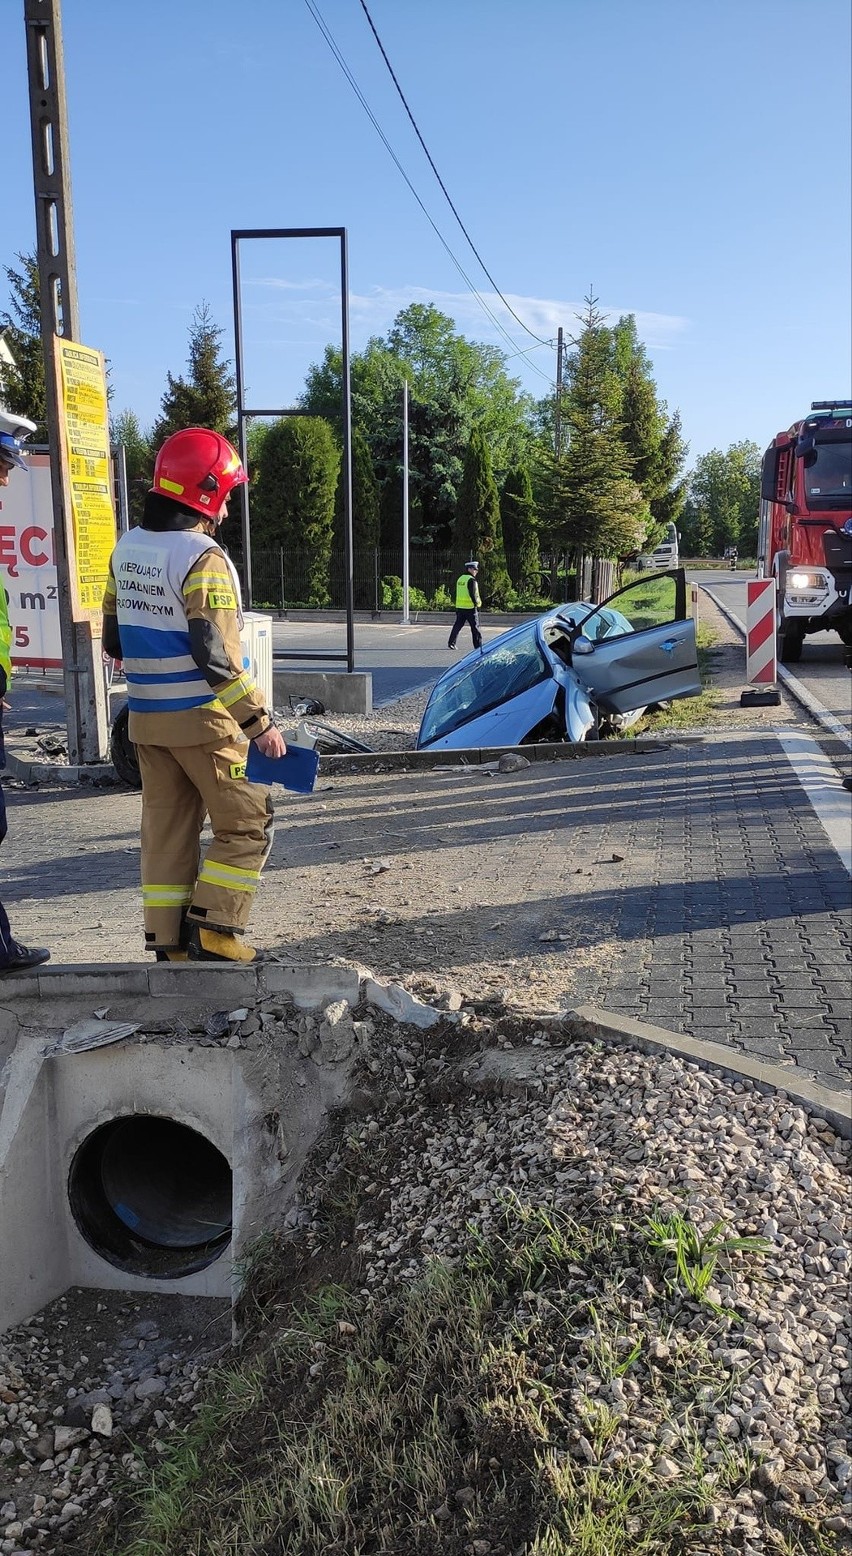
[282, 579]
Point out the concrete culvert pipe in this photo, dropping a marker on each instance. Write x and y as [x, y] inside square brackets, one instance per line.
[152, 1196]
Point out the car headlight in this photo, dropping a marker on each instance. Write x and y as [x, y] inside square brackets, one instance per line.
[807, 581]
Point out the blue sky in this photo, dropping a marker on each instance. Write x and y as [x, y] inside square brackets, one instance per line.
[687, 159]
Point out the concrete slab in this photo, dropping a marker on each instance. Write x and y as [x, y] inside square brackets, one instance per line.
[260, 1107]
[340, 691]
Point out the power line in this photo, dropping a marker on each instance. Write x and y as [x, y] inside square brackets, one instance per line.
[416, 129]
[380, 132]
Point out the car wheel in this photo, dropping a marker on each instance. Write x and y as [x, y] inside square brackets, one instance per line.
[122, 750]
[791, 637]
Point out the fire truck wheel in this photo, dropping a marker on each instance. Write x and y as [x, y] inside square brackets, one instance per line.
[791, 636]
[122, 750]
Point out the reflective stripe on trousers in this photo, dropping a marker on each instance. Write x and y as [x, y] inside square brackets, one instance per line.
[180, 785]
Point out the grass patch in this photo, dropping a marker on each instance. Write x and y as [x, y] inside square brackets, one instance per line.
[513, 1403]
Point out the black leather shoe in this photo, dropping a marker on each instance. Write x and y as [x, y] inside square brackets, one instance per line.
[23, 956]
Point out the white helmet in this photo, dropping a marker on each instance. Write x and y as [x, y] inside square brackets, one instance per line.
[13, 430]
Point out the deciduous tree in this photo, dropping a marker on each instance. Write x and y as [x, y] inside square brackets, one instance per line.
[455, 384]
[723, 502]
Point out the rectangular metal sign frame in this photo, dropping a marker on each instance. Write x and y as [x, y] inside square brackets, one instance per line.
[245, 413]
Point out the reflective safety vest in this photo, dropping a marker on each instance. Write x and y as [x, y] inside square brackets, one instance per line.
[5, 635]
[150, 568]
[464, 601]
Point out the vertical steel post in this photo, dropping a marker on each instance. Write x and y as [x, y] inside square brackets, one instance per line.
[85, 692]
[347, 449]
[242, 431]
[123, 489]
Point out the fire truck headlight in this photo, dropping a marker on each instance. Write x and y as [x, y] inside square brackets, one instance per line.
[807, 581]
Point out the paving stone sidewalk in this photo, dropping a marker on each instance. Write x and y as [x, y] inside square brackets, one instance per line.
[690, 885]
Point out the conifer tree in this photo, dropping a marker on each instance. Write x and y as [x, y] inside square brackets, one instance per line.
[653, 440]
[292, 501]
[365, 515]
[22, 386]
[207, 396]
[138, 456]
[599, 508]
[478, 531]
[520, 531]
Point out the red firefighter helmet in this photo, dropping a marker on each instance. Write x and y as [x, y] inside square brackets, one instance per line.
[199, 469]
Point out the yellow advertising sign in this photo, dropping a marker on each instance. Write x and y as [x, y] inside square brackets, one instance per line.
[84, 436]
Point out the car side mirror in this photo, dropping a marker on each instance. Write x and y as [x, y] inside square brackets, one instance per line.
[582, 645]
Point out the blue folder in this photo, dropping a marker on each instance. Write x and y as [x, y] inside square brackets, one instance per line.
[297, 770]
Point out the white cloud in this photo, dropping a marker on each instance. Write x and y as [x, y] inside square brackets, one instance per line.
[277, 283]
[541, 315]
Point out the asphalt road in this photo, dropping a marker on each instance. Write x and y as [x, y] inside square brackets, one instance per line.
[822, 669]
[401, 659]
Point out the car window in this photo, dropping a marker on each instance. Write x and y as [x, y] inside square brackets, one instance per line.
[650, 601]
[504, 671]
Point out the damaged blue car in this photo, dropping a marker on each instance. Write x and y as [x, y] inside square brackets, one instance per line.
[577, 673]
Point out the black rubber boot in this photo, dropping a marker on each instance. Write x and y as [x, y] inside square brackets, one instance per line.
[23, 956]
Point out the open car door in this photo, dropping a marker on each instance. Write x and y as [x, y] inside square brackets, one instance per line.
[654, 661]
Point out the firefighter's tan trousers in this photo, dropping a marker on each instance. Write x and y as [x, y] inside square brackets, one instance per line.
[180, 784]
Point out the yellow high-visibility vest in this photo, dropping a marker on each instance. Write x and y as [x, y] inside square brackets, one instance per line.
[463, 595]
[5, 635]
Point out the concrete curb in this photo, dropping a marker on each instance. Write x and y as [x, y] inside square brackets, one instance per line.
[559, 751]
[375, 761]
[47, 772]
[801, 694]
[308, 985]
[800, 1086]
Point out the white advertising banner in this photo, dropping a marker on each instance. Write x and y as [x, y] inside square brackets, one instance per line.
[28, 566]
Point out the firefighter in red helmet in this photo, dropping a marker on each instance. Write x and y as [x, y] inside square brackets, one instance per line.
[172, 614]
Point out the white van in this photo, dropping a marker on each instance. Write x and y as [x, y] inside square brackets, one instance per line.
[664, 556]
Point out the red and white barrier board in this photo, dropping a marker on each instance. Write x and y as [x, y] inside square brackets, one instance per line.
[28, 566]
[761, 668]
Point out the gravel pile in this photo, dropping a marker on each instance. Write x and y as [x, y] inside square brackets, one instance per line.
[615, 1135]
[80, 1385]
[450, 1122]
[391, 728]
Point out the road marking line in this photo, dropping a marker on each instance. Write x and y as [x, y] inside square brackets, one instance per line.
[818, 777]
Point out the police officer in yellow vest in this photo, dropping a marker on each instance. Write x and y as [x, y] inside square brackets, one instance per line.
[13, 429]
[172, 614]
[467, 605]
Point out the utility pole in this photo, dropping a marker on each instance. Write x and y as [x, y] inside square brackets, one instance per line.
[85, 687]
[558, 428]
[406, 620]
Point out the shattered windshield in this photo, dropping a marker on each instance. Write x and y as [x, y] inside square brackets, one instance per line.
[501, 673]
[828, 475]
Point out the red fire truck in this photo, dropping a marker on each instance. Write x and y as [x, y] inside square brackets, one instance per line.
[805, 532]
